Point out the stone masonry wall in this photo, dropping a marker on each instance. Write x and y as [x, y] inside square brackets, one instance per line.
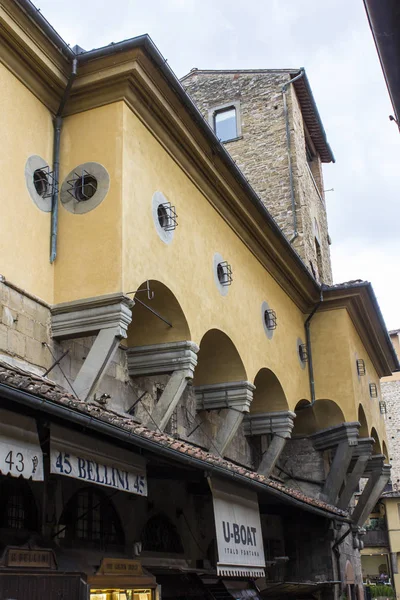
[261, 152]
[391, 395]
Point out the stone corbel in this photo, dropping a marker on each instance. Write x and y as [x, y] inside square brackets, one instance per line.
[343, 439]
[361, 455]
[235, 397]
[107, 317]
[279, 424]
[177, 358]
[378, 475]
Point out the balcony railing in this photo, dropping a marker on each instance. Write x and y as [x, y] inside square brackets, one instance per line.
[376, 537]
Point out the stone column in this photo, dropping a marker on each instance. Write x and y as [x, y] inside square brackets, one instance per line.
[361, 455]
[177, 358]
[378, 475]
[107, 316]
[279, 424]
[234, 396]
[342, 439]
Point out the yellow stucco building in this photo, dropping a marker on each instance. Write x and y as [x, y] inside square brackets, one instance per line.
[141, 272]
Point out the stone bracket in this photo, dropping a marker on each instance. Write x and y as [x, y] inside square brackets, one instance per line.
[344, 438]
[280, 425]
[361, 456]
[107, 316]
[169, 400]
[279, 422]
[378, 476]
[81, 318]
[162, 358]
[236, 395]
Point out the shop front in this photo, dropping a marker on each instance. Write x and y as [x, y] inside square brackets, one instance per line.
[122, 579]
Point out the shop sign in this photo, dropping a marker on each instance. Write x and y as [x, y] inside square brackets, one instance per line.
[30, 558]
[120, 566]
[92, 461]
[20, 451]
[238, 529]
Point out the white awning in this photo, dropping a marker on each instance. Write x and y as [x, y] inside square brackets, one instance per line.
[93, 461]
[238, 530]
[20, 451]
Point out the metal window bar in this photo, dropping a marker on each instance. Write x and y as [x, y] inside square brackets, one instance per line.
[78, 184]
[373, 390]
[303, 352]
[270, 319]
[382, 407]
[227, 277]
[360, 367]
[46, 177]
[171, 217]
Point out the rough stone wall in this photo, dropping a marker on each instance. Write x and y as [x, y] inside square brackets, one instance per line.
[310, 200]
[261, 153]
[301, 466]
[391, 395]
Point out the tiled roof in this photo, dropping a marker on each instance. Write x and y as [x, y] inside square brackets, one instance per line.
[42, 387]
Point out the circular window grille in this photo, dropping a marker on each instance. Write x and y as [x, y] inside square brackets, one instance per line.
[164, 217]
[39, 182]
[302, 355]
[268, 319]
[85, 187]
[222, 274]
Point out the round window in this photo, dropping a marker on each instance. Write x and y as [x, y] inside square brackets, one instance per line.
[164, 217]
[268, 318]
[38, 182]
[222, 274]
[302, 353]
[41, 182]
[85, 187]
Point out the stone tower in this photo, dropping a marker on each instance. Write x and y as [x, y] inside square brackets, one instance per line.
[269, 123]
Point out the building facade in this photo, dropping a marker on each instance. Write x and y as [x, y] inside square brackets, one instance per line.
[185, 409]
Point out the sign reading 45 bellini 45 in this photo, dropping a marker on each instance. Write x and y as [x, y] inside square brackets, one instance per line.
[93, 461]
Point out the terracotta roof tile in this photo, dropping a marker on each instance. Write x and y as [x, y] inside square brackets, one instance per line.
[39, 386]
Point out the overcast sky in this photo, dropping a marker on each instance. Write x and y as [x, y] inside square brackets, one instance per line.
[332, 40]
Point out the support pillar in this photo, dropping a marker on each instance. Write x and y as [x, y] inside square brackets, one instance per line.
[177, 358]
[107, 316]
[236, 398]
[342, 439]
[279, 424]
[378, 475]
[361, 455]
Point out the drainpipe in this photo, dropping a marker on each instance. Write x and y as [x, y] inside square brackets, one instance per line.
[57, 124]
[309, 350]
[286, 114]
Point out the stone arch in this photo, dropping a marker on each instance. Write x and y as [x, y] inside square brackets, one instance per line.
[218, 360]
[268, 395]
[377, 449]
[310, 419]
[362, 419]
[385, 451]
[146, 328]
[349, 573]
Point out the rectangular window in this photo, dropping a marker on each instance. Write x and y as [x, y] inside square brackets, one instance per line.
[225, 124]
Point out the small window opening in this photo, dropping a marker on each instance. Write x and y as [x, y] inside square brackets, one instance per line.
[309, 153]
[225, 124]
[373, 390]
[82, 187]
[361, 367]
[224, 273]
[319, 258]
[166, 215]
[303, 354]
[270, 319]
[41, 182]
[382, 407]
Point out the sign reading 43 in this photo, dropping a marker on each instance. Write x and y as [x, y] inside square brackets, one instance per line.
[18, 462]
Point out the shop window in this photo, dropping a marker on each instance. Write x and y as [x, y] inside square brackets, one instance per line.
[17, 506]
[90, 517]
[160, 535]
